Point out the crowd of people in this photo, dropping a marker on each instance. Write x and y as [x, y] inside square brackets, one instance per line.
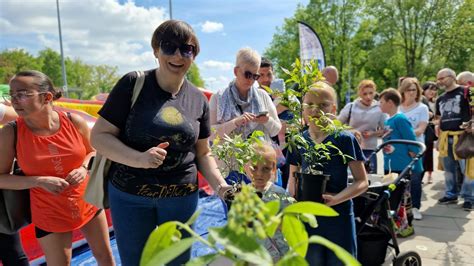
[158, 145]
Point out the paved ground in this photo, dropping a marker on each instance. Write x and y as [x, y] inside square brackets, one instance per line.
[445, 236]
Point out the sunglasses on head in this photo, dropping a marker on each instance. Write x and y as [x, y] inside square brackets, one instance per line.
[169, 48]
[250, 75]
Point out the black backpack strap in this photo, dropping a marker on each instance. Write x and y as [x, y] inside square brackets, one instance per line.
[69, 116]
[15, 130]
[350, 113]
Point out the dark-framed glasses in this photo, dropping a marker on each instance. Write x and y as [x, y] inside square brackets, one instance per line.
[250, 75]
[20, 96]
[169, 48]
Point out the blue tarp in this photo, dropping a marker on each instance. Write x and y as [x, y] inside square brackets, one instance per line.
[213, 215]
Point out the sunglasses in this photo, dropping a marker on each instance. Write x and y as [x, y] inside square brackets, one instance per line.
[250, 75]
[169, 48]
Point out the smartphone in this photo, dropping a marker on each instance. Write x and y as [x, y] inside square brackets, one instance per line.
[262, 113]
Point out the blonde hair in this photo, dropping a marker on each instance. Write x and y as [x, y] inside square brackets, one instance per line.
[248, 56]
[267, 152]
[366, 83]
[322, 88]
[406, 83]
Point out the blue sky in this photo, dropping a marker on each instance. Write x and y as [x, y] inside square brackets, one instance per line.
[117, 32]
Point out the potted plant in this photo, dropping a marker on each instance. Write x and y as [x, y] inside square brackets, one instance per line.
[300, 80]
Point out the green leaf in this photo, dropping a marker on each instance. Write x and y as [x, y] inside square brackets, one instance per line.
[203, 260]
[310, 207]
[168, 254]
[158, 240]
[310, 219]
[272, 226]
[273, 207]
[194, 217]
[295, 234]
[340, 252]
[242, 246]
[292, 259]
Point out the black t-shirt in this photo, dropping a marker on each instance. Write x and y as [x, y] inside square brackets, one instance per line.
[453, 108]
[158, 117]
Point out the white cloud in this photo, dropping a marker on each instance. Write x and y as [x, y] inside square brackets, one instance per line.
[212, 64]
[210, 27]
[218, 83]
[98, 32]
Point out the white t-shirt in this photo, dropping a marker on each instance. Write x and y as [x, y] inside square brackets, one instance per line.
[417, 114]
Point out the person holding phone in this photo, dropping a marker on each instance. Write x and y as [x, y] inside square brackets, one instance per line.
[242, 107]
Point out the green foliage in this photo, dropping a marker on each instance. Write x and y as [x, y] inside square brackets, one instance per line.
[235, 151]
[84, 81]
[240, 240]
[382, 40]
[194, 76]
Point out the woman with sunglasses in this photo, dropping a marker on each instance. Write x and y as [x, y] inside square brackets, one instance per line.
[242, 107]
[53, 151]
[417, 113]
[158, 145]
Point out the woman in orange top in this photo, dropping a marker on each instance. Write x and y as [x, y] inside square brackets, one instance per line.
[53, 151]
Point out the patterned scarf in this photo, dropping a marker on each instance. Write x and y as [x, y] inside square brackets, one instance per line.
[229, 103]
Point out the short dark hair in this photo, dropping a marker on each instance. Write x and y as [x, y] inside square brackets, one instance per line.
[391, 94]
[176, 31]
[266, 63]
[42, 81]
[429, 85]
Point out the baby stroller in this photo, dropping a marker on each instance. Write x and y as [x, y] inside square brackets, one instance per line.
[374, 214]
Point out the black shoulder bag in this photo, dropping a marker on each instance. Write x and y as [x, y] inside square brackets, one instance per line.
[15, 211]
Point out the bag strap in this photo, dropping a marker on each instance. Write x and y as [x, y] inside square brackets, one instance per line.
[138, 86]
[350, 113]
[14, 126]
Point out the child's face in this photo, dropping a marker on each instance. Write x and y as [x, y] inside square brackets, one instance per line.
[314, 103]
[385, 105]
[261, 173]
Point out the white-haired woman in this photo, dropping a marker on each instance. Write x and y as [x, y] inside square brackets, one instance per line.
[242, 107]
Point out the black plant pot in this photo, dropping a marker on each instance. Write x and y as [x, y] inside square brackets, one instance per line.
[310, 187]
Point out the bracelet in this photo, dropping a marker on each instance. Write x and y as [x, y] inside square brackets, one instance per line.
[84, 166]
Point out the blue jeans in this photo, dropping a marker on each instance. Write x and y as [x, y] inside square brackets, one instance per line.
[415, 189]
[135, 217]
[451, 179]
[372, 162]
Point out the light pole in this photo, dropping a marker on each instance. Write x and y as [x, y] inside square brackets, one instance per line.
[62, 52]
[171, 10]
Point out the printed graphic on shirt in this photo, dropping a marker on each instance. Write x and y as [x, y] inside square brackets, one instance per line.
[174, 128]
[451, 108]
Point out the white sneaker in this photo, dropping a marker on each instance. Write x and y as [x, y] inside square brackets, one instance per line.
[417, 214]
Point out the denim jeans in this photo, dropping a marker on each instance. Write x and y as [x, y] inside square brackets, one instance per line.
[135, 217]
[415, 189]
[451, 178]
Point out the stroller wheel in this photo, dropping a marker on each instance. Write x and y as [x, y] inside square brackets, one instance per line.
[407, 258]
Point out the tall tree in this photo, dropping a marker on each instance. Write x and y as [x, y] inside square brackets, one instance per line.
[14, 61]
[51, 65]
[335, 22]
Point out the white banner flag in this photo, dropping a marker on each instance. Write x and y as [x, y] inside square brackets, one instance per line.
[310, 45]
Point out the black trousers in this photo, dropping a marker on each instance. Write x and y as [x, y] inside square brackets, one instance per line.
[11, 250]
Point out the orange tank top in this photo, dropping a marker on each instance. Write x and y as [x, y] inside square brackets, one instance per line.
[55, 155]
